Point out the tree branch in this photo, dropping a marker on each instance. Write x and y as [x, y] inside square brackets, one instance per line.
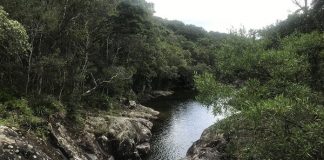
[98, 85]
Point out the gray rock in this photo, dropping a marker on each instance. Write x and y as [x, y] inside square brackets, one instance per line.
[124, 137]
[156, 94]
[11, 137]
[29, 146]
[65, 142]
[142, 112]
[124, 134]
[10, 147]
[132, 104]
[144, 148]
[211, 145]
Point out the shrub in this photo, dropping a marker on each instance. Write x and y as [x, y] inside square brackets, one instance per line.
[44, 106]
[18, 113]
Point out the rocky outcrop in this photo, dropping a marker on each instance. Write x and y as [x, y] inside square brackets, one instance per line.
[69, 147]
[141, 112]
[211, 146]
[104, 137]
[156, 94]
[13, 145]
[128, 137]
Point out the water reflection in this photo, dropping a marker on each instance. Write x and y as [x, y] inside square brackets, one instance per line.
[181, 123]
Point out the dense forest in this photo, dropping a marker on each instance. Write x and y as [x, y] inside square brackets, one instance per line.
[69, 56]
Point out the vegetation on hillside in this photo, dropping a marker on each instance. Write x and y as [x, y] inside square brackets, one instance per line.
[68, 55]
[273, 85]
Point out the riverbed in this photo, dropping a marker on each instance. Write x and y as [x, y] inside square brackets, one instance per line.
[181, 122]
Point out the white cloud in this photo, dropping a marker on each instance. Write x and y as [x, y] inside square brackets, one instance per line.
[221, 15]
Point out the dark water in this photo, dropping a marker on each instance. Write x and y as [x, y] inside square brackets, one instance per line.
[181, 123]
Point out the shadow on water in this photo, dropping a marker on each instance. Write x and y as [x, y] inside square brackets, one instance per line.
[181, 122]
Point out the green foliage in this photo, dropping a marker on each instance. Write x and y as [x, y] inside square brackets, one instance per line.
[17, 113]
[238, 57]
[279, 128]
[277, 112]
[132, 17]
[191, 32]
[311, 46]
[13, 36]
[13, 48]
[211, 91]
[45, 106]
[66, 55]
[84, 48]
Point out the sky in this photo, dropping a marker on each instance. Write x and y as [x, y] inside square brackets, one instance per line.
[223, 15]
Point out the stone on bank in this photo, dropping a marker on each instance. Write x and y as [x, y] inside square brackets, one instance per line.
[104, 137]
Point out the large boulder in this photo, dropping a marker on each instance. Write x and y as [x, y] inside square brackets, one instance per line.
[13, 145]
[108, 137]
[81, 148]
[211, 146]
[124, 135]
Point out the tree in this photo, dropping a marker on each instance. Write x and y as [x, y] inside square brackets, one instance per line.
[14, 47]
[302, 7]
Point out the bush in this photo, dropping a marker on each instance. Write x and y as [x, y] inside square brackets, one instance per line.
[18, 113]
[279, 128]
[44, 106]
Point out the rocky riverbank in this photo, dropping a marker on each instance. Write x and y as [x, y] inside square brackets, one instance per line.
[210, 146]
[103, 137]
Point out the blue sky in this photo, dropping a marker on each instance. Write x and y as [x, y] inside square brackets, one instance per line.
[222, 15]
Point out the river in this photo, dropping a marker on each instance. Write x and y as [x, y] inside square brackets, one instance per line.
[181, 122]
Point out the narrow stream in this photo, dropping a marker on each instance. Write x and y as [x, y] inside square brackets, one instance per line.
[182, 121]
